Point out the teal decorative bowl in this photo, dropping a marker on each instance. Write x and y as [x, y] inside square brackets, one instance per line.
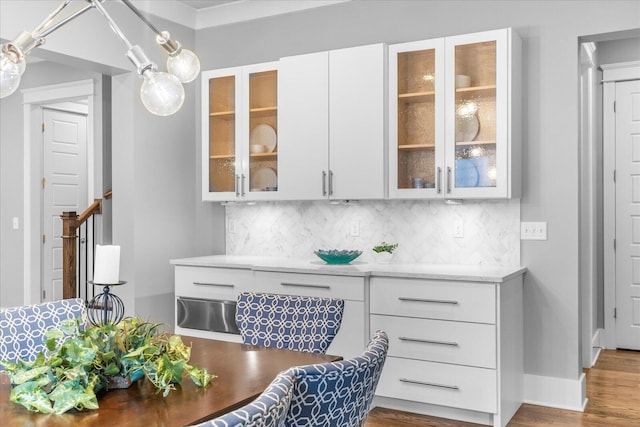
[334, 256]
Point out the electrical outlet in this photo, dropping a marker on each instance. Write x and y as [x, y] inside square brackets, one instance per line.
[458, 229]
[533, 230]
[354, 228]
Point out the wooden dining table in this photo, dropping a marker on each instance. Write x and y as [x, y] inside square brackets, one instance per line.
[243, 372]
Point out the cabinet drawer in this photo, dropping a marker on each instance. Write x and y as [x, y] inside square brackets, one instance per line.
[434, 299]
[212, 283]
[312, 285]
[439, 384]
[462, 343]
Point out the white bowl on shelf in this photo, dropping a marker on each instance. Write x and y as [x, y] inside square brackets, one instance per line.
[257, 148]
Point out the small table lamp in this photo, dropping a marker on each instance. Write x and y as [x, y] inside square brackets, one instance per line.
[106, 307]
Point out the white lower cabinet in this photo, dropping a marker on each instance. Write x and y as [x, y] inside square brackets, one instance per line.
[454, 344]
[351, 340]
[224, 284]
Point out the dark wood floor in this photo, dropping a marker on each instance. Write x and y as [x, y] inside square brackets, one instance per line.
[613, 390]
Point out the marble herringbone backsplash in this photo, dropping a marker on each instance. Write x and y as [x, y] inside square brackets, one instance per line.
[423, 229]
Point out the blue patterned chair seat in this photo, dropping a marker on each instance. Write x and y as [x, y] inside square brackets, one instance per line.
[290, 322]
[22, 328]
[337, 394]
[268, 410]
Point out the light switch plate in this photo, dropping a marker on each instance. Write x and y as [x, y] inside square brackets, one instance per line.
[533, 230]
[16, 223]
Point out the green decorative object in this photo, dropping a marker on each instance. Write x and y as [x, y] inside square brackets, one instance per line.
[385, 247]
[81, 363]
[334, 256]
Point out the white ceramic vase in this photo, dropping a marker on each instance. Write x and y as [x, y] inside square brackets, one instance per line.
[383, 257]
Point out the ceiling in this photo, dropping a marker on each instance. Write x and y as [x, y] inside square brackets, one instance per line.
[199, 14]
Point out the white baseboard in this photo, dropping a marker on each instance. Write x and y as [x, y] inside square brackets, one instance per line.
[597, 344]
[555, 392]
[433, 410]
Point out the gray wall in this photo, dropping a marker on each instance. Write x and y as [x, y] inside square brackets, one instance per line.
[157, 212]
[550, 31]
[12, 176]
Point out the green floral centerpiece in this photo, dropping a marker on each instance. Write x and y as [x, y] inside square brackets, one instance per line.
[384, 252]
[81, 363]
[385, 247]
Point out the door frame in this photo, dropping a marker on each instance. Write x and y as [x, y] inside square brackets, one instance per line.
[34, 99]
[611, 73]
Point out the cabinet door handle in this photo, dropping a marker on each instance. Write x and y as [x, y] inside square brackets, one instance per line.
[435, 301]
[450, 343]
[330, 183]
[450, 387]
[242, 185]
[237, 185]
[304, 285]
[220, 285]
[324, 183]
[448, 179]
[439, 179]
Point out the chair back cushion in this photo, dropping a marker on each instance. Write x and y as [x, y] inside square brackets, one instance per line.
[337, 394]
[290, 322]
[22, 328]
[268, 410]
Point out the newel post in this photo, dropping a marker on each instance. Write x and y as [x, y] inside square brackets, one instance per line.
[69, 225]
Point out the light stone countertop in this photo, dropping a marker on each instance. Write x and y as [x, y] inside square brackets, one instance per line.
[473, 273]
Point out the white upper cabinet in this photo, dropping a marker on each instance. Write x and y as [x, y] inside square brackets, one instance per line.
[333, 124]
[455, 118]
[240, 133]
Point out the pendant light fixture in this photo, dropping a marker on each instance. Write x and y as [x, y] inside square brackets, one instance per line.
[161, 93]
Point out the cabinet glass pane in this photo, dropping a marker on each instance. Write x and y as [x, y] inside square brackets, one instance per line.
[263, 128]
[222, 138]
[416, 119]
[475, 110]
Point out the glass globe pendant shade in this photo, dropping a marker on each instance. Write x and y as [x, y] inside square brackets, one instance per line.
[161, 93]
[10, 73]
[185, 65]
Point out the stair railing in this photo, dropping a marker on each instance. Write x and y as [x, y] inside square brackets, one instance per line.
[71, 223]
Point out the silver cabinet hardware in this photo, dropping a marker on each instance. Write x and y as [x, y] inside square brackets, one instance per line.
[330, 183]
[439, 180]
[434, 301]
[449, 343]
[220, 285]
[304, 285]
[237, 185]
[324, 183]
[448, 179]
[242, 186]
[450, 387]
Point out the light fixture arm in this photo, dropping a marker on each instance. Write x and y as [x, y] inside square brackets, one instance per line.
[111, 22]
[64, 21]
[142, 17]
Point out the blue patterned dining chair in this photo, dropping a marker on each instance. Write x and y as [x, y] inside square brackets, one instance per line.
[22, 328]
[268, 410]
[337, 394]
[287, 321]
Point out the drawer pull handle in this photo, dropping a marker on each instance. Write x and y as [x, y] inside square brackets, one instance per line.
[451, 343]
[221, 285]
[450, 387]
[436, 301]
[303, 285]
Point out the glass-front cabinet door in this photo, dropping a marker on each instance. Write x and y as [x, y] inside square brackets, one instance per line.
[453, 125]
[239, 132]
[416, 105]
[481, 120]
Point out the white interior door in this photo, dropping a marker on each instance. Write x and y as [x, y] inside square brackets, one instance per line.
[627, 232]
[64, 188]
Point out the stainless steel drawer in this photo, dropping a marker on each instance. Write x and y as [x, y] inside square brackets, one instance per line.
[207, 315]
